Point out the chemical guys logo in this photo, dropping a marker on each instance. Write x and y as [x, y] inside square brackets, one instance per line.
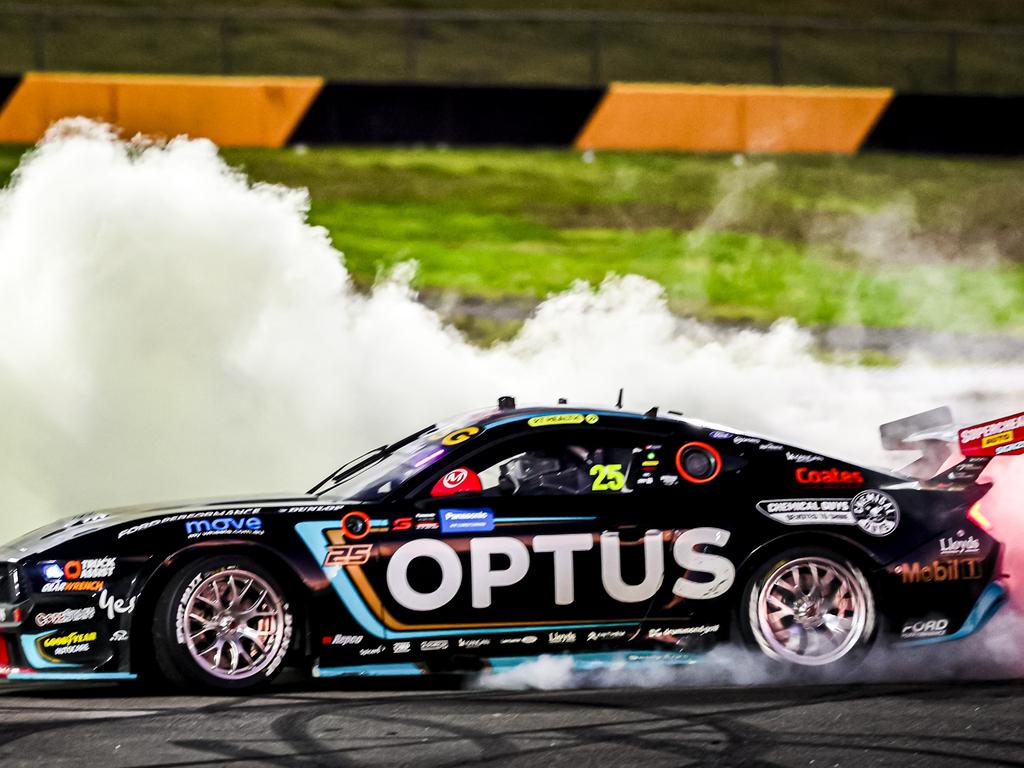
[704, 575]
[874, 512]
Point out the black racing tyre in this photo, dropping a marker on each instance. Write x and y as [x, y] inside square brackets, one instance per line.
[222, 623]
[809, 608]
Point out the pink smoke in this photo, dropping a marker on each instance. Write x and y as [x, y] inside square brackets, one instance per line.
[1004, 507]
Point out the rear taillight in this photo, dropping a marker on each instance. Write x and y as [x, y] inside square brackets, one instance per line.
[975, 515]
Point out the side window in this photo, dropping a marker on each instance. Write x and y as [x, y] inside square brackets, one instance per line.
[566, 470]
[558, 465]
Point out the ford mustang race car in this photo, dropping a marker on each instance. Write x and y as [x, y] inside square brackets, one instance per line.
[516, 532]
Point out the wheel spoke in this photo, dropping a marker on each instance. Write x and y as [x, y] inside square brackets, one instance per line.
[780, 605]
[220, 651]
[251, 610]
[254, 638]
[232, 591]
[245, 589]
[815, 582]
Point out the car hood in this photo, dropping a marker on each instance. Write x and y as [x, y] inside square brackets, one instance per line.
[69, 528]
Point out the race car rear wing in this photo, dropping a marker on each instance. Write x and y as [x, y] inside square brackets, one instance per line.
[934, 435]
[931, 433]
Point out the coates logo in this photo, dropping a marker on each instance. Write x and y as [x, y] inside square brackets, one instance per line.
[807, 476]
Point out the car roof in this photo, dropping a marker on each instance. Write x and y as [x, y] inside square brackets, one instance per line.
[620, 417]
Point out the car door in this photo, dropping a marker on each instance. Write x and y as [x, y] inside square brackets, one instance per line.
[523, 546]
[688, 494]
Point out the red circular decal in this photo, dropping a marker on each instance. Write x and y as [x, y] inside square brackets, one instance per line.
[355, 525]
[713, 454]
[72, 569]
[455, 478]
[461, 480]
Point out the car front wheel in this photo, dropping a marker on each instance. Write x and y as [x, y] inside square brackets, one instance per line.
[809, 609]
[222, 623]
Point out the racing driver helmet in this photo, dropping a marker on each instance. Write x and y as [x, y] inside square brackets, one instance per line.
[544, 472]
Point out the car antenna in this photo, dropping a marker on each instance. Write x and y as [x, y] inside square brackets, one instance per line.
[618, 403]
[506, 403]
[652, 413]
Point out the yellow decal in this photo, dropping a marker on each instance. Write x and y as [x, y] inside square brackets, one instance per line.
[460, 435]
[69, 639]
[609, 477]
[560, 419]
[1000, 439]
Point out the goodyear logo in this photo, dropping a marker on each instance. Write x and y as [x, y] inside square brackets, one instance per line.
[1000, 439]
[560, 419]
[69, 639]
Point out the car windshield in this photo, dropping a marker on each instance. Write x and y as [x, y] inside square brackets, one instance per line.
[380, 472]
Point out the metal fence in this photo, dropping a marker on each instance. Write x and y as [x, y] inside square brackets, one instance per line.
[515, 47]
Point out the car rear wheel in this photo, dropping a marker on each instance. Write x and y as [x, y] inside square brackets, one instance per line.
[809, 609]
[222, 623]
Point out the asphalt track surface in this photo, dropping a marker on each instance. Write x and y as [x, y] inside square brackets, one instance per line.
[434, 722]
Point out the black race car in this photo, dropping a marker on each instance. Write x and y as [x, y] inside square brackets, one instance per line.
[516, 532]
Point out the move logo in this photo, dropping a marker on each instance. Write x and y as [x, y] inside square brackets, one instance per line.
[223, 525]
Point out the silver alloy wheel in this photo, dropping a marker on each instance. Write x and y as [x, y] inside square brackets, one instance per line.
[811, 611]
[233, 624]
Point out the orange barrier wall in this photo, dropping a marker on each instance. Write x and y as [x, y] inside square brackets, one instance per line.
[232, 111]
[706, 118]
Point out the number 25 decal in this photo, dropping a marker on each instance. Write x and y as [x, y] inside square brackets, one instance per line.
[607, 477]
